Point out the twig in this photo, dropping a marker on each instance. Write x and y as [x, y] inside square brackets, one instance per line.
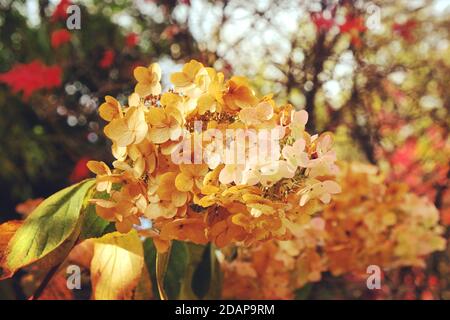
[37, 294]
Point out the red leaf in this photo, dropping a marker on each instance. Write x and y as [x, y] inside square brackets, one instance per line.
[354, 26]
[405, 30]
[321, 22]
[131, 40]
[80, 171]
[60, 12]
[32, 77]
[107, 59]
[59, 37]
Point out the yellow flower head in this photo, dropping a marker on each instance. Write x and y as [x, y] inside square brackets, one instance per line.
[166, 124]
[148, 80]
[110, 109]
[239, 94]
[244, 187]
[131, 129]
[189, 77]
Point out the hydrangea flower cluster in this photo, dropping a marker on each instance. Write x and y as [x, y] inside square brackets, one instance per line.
[209, 161]
[369, 223]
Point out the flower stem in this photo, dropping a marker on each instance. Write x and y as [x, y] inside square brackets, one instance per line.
[162, 261]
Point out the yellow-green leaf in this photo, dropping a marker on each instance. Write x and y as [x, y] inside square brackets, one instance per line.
[49, 232]
[116, 266]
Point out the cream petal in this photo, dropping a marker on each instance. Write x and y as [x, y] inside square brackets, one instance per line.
[155, 89]
[304, 199]
[103, 185]
[331, 186]
[159, 135]
[134, 100]
[179, 79]
[119, 153]
[139, 167]
[121, 165]
[140, 132]
[264, 111]
[141, 74]
[299, 145]
[153, 211]
[179, 198]
[117, 130]
[155, 70]
[325, 198]
[300, 118]
[287, 152]
[143, 89]
[226, 175]
[156, 116]
[175, 132]
[184, 183]
[98, 167]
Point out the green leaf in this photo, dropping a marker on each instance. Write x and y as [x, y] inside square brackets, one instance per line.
[150, 262]
[192, 271]
[303, 292]
[203, 278]
[175, 272]
[94, 226]
[50, 231]
[176, 269]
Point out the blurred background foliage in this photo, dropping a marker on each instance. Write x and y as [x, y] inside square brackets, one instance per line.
[45, 135]
[376, 73]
